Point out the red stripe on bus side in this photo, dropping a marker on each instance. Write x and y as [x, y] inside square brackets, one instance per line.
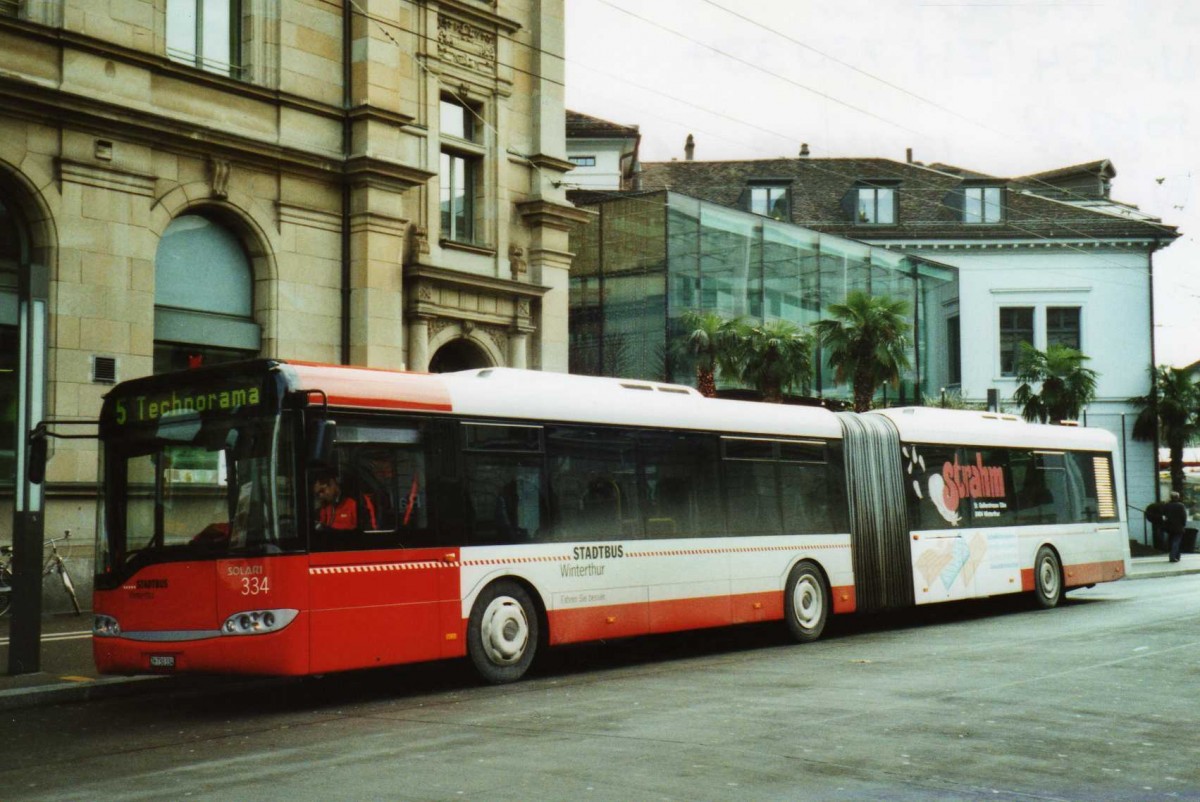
[374, 389]
[1081, 574]
[675, 615]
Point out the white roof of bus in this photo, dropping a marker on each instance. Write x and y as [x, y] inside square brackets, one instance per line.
[965, 427]
[540, 395]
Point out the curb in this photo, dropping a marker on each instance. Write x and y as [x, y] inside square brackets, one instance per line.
[64, 691]
[91, 690]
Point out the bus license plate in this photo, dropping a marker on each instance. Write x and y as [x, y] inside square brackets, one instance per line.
[162, 661]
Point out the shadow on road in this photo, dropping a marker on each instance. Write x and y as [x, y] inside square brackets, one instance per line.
[449, 680]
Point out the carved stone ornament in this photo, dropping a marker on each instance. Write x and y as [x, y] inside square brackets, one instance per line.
[498, 336]
[516, 261]
[418, 244]
[466, 45]
[219, 177]
[437, 325]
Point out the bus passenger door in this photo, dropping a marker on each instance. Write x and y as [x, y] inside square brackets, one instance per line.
[377, 589]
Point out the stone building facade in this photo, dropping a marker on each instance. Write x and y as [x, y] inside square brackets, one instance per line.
[375, 182]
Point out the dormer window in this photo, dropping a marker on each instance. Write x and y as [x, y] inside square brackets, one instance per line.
[872, 203]
[770, 200]
[982, 205]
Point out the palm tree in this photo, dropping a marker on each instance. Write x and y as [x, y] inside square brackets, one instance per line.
[710, 340]
[1172, 409]
[866, 342]
[1066, 385]
[774, 357]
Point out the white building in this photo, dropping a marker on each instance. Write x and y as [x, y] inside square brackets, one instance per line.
[605, 154]
[1046, 259]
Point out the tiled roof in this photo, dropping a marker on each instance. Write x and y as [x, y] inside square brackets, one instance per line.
[818, 187]
[583, 125]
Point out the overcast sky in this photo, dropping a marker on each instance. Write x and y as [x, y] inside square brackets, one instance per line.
[1005, 87]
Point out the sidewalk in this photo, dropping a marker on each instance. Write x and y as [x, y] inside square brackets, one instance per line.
[68, 674]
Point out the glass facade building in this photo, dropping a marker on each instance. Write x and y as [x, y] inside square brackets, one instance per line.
[646, 259]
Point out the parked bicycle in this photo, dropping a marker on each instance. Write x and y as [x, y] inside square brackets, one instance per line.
[54, 565]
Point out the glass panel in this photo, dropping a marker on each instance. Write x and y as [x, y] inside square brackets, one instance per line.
[386, 484]
[1016, 327]
[457, 180]
[634, 289]
[463, 197]
[456, 120]
[181, 30]
[866, 206]
[446, 193]
[593, 476]
[217, 36]
[489, 437]
[1062, 326]
[992, 210]
[682, 485]
[505, 498]
[885, 205]
[726, 260]
[683, 264]
[812, 503]
[753, 498]
[953, 351]
[770, 202]
[194, 486]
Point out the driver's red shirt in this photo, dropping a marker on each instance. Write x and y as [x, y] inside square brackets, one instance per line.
[342, 514]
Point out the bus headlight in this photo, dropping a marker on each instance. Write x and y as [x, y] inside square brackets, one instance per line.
[105, 626]
[257, 622]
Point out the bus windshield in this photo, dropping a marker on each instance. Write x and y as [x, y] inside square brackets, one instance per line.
[196, 486]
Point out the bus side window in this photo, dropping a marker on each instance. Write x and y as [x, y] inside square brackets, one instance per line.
[504, 483]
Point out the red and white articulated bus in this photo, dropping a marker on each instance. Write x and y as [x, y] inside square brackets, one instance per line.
[492, 513]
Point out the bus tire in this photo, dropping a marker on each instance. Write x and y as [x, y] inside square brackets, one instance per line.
[503, 632]
[1047, 578]
[806, 602]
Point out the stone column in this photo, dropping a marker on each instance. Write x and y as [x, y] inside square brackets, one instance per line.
[518, 348]
[418, 342]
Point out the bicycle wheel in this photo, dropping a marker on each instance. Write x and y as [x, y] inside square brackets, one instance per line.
[69, 587]
[5, 589]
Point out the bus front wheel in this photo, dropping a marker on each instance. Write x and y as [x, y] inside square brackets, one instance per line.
[806, 602]
[1047, 578]
[502, 634]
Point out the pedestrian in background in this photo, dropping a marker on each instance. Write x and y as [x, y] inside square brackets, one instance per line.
[1172, 517]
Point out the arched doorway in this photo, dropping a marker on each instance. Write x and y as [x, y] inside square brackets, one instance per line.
[460, 354]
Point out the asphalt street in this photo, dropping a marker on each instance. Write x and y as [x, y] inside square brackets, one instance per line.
[982, 700]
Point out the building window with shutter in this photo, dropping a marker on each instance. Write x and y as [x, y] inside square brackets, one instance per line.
[202, 317]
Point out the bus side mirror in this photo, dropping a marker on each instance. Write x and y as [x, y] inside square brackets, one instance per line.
[38, 446]
[321, 438]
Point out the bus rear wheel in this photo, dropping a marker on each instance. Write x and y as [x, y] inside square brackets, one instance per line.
[806, 602]
[503, 632]
[1047, 578]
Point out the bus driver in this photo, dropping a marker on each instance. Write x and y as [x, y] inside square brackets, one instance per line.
[335, 511]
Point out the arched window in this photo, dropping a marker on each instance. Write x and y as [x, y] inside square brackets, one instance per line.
[203, 296]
